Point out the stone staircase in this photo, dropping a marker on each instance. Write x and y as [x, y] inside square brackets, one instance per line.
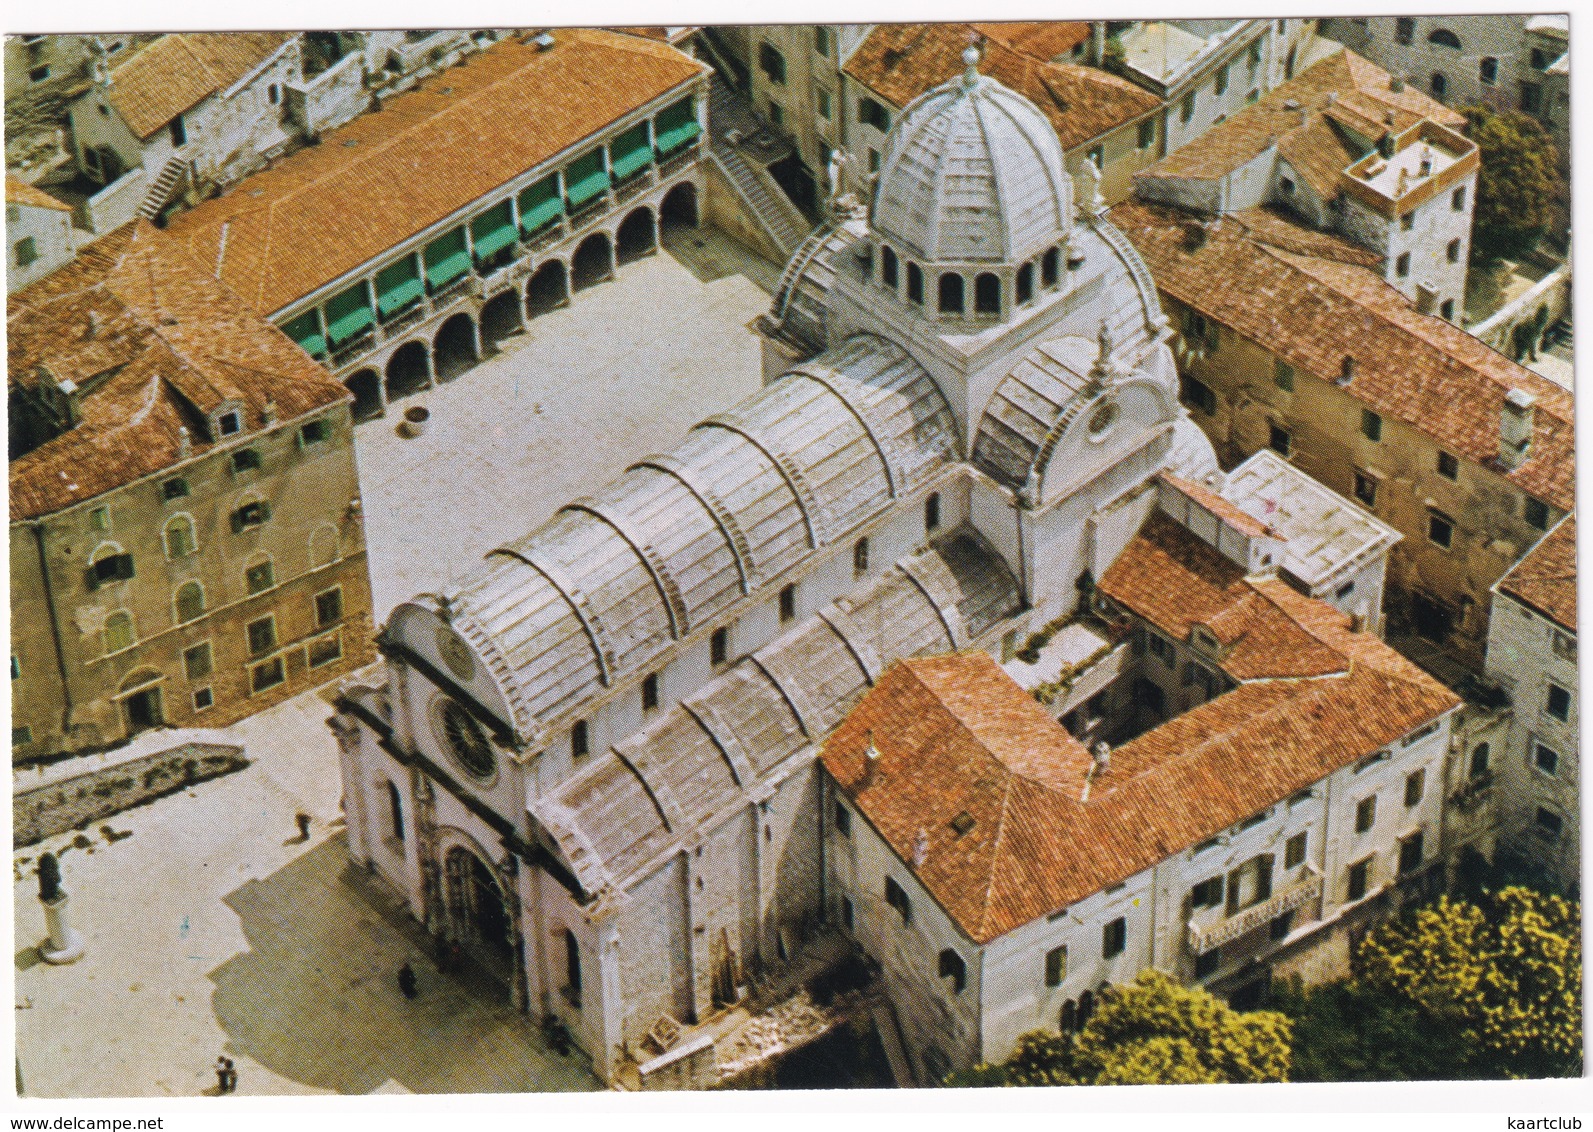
[728, 117]
[160, 192]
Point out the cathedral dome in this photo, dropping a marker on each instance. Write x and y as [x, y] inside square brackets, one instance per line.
[972, 173]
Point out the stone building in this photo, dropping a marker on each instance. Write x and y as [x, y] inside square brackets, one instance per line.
[39, 234]
[186, 545]
[1344, 147]
[1532, 656]
[459, 241]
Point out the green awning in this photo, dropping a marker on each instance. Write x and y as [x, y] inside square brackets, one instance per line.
[493, 230]
[348, 313]
[540, 205]
[306, 331]
[447, 258]
[629, 153]
[398, 285]
[675, 126]
[585, 177]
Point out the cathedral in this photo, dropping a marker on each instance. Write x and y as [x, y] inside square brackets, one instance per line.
[598, 760]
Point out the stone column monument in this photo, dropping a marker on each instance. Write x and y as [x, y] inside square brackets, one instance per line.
[65, 944]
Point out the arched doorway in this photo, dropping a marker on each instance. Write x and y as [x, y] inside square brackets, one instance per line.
[408, 370]
[478, 914]
[454, 349]
[547, 289]
[637, 236]
[140, 696]
[500, 318]
[679, 209]
[366, 386]
[593, 261]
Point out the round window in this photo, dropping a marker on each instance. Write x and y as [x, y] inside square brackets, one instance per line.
[455, 654]
[1103, 418]
[463, 737]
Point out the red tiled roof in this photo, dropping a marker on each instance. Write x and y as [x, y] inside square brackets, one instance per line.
[20, 192]
[1313, 311]
[179, 71]
[1545, 578]
[901, 61]
[430, 152]
[1241, 521]
[156, 344]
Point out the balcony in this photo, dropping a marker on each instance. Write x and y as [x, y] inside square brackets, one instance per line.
[1203, 939]
[675, 162]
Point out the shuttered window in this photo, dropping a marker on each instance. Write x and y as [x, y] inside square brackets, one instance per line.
[585, 177]
[348, 314]
[447, 258]
[541, 205]
[398, 286]
[675, 126]
[493, 230]
[306, 331]
[630, 153]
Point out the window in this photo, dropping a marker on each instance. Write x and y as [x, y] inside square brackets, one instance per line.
[1371, 425]
[951, 293]
[843, 820]
[887, 267]
[897, 899]
[1531, 98]
[262, 635]
[987, 293]
[1147, 133]
[1548, 824]
[1049, 264]
[39, 74]
[1345, 590]
[1207, 962]
[1207, 894]
[110, 567]
[1538, 58]
[180, 537]
[1536, 513]
[21, 736]
[245, 460]
[1545, 759]
[203, 698]
[1371, 760]
[1443, 37]
[1186, 109]
[915, 283]
[16, 666]
[1253, 57]
[1025, 282]
[771, 63]
[1280, 925]
[119, 633]
[650, 691]
[572, 969]
[1402, 265]
[1279, 440]
[1404, 29]
[189, 602]
[1558, 703]
[932, 513]
[1479, 760]
[324, 650]
[314, 433]
[1360, 875]
[1410, 853]
[267, 675]
[1563, 644]
[1198, 395]
[274, 94]
[100, 519]
[1406, 223]
[229, 423]
[1440, 529]
[1365, 489]
[1365, 814]
[251, 514]
[1250, 883]
[788, 603]
[846, 913]
[826, 108]
[196, 661]
[821, 40]
[25, 250]
[873, 160]
[1056, 966]
[1415, 785]
[1439, 85]
[1161, 647]
[1457, 199]
[580, 739]
[860, 557]
[952, 967]
[871, 113]
[1294, 851]
[260, 577]
[1221, 86]
[176, 488]
[1114, 938]
[1448, 466]
[328, 607]
[1446, 310]
[395, 811]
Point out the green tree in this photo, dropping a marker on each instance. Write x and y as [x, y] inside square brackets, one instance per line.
[1505, 973]
[1517, 185]
[1349, 1031]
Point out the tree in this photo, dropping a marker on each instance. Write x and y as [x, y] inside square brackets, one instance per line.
[1517, 185]
[1506, 974]
[1348, 1031]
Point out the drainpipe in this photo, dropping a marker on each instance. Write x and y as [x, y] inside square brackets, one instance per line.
[55, 631]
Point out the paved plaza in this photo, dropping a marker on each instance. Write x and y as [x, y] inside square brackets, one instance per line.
[211, 928]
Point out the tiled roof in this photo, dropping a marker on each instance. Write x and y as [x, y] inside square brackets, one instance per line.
[901, 61]
[1313, 311]
[20, 192]
[155, 343]
[1043, 39]
[957, 739]
[1545, 578]
[179, 71]
[1303, 118]
[430, 152]
[1240, 520]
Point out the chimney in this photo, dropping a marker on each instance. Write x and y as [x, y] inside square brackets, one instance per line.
[1396, 83]
[1403, 185]
[1426, 298]
[1346, 370]
[1097, 49]
[920, 848]
[270, 412]
[185, 443]
[1515, 428]
[1427, 161]
[1101, 752]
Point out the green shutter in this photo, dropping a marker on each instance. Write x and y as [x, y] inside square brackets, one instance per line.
[306, 331]
[676, 125]
[585, 177]
[398, 285]
[629, 153]
[348, 313]
[447, 258]
[493, 230]
[541, 205]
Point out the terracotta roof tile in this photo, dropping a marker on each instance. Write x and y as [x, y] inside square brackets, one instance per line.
[1545, 578]
[1313, 311]
[1229, 513]
[899, 62]
[430, 152]
[179, 71]
[155, 343]
[20, 192]
[1045, 39]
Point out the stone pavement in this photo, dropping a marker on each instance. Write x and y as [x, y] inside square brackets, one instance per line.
[620, 373]
[211, 929]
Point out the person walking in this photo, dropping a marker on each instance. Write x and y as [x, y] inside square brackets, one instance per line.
[406, 981]
[221, 1074]
[303, 820]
